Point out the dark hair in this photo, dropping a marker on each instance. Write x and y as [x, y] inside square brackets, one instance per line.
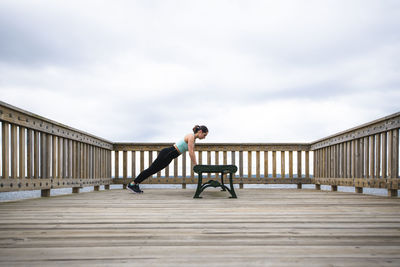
[198, 128]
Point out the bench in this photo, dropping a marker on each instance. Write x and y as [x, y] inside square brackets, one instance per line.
[222, 169]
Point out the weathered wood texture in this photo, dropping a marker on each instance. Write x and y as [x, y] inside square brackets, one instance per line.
[364, 156]
[38, 153]
[252, 164]
[169, 228]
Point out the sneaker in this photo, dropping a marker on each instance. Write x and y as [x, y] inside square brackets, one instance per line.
[134, 188]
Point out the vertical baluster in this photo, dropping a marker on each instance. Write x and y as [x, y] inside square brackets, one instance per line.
[5, 141]
[266, 164]
[274, 164]
[377, 148]
[290, 164]
[60, 157]
[249, 164]
[142, 160]
[208, 162]
[184, 165]
[70, 158]
[283, 164]
[29, 153]
[308, 164]
[133, 164]
[158, 173]
[200, 158]
[371, 156]
[36, 154]
[390, 154]
[125, 164]
[48, 155]
[14, 152]
[344, 154]
[299, 169]
[116, 167]
[42, 155]
[241, 164]
[54, 157]
[258, 164]
[225, 157]
[395, 155]
[384, 155]
[176, 168]
[233, 159]
[22, 149]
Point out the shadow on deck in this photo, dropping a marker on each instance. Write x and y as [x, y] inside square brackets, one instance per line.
[276, 227]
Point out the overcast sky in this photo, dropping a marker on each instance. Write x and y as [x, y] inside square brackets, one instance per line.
[252, 71]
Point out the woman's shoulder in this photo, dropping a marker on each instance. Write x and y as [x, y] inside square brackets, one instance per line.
[188, 137]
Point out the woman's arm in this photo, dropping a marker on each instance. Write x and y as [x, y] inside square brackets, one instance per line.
[191, 149]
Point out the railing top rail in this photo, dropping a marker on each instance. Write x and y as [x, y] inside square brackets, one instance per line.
[374, 127]
[20, 117]
[127, 146]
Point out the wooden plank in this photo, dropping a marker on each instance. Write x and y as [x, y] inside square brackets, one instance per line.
[260, 228]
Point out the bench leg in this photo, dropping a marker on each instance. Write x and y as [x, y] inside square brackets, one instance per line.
[199, 183]
[232, 191]
[222, 182]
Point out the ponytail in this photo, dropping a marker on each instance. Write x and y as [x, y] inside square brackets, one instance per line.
[198, 128]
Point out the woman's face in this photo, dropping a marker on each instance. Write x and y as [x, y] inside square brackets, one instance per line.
[202, 135]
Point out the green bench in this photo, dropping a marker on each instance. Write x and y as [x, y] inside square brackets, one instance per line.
[222, 169]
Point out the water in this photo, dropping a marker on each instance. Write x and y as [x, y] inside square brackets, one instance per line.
[19, 195]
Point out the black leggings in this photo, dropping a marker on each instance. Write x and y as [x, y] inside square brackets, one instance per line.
[163, 160]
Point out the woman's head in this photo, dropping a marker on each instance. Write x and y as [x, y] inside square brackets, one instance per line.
[202, 131]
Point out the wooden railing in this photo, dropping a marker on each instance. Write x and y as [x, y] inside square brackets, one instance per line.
[40, 154]
[365, 156]
[257, 163]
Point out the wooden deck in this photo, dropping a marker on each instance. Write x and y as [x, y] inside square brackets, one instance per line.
[263, 227]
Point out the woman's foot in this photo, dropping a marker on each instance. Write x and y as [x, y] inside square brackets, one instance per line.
[134, 188]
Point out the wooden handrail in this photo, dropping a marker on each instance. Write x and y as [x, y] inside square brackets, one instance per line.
[38, 153]
[41, 154]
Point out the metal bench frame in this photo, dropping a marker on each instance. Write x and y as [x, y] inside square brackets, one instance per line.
[222, 169]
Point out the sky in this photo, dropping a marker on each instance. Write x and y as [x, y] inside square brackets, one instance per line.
[251, 71]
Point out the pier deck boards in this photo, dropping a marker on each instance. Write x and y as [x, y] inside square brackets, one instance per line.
[263, 227]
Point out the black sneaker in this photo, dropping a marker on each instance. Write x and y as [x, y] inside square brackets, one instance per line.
[134, 188]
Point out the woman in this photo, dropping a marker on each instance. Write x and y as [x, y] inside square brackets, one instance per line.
[168, 154]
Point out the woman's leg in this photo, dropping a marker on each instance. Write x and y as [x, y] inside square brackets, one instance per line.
[163, 160]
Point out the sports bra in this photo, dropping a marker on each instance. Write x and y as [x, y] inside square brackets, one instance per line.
[182, 145]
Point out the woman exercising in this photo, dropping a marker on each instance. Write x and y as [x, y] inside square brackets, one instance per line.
[168, 154]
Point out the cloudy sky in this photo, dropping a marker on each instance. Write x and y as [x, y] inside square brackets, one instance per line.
[252, 71]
